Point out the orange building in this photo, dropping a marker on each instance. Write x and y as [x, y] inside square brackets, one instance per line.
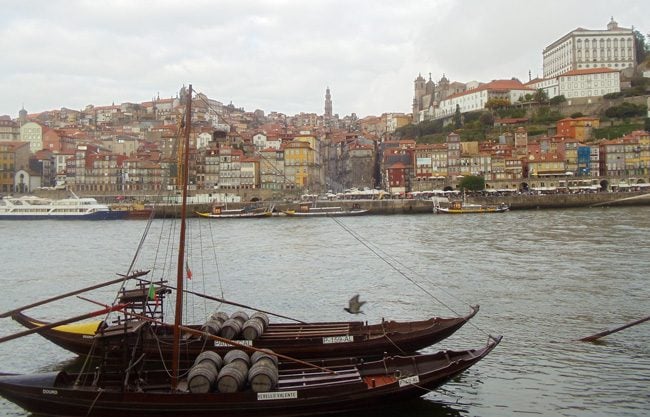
[579, 128]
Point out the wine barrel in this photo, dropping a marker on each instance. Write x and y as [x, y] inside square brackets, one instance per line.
[219, 316]
[261, 316]
[264, 355]
[230, 379]
[230, 329]
[211, 357]
[201, 377]
[263, 376]
[212, 327]
[252, 329]
[239, 359]
[240, 316]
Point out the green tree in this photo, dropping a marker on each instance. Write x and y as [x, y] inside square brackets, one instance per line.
[557, 100]
[646, 125]
[486, 119]
[497, 103]
[540, 96]
[472, 183]
[626, 110]
[642, 49]
[458, 118]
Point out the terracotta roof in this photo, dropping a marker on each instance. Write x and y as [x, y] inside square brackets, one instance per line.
[588, 71]
[397, 165]
[14, 144]
[494, 85]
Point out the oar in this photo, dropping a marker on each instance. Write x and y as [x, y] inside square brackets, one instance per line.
[221, 300]
[69, 294]
[229, 342]
[614, 330]
[62, 322]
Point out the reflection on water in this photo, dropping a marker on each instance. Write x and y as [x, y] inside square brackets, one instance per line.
[543, 279]
[419, 407]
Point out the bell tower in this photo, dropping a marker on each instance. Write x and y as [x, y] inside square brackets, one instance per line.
[328, 104]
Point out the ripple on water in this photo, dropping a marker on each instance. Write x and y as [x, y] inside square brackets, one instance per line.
[543, 279]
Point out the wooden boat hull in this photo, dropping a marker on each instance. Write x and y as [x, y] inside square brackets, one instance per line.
[482, 210]
[329, 213]
[239, 215]
[354, 386]
[310, 340]
[97, 215]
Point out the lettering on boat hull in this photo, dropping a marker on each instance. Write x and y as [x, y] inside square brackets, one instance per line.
[241, 342]
[284, 395]
[50, 391]
[338, 339]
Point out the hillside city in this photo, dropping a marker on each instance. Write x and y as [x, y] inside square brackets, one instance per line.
[585, 122]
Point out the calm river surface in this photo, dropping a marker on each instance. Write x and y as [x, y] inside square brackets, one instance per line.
[542, 279]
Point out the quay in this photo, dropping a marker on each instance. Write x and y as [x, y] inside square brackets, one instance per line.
[421, 206]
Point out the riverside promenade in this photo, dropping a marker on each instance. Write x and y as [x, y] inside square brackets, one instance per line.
[421, 206]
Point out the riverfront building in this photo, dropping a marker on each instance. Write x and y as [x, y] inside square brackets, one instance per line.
[587, 49]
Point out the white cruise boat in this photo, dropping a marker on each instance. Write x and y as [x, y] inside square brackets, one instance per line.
[74, 208]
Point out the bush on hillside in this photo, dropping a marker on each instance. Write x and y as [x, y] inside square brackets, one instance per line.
[612, 96]
[626, 110]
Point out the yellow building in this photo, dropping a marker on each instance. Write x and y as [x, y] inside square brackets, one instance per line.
[14, 156]
[300, 164]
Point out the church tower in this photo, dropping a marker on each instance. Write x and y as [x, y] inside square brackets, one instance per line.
[22, 116]
[328, 104]
[420, 91]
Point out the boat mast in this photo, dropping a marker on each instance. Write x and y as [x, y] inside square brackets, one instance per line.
[178, 319]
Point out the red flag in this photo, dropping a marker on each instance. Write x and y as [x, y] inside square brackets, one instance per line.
[188, 271]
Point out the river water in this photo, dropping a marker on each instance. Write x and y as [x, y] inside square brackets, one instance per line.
[542, 278]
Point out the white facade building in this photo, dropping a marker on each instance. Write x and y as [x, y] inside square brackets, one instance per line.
[472, 100]
[259, 140]
[593, 82]
[550, 86]
[203, 139]
[584, 49]
[33, 133]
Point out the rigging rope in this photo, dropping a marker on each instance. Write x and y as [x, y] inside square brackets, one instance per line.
[385, 258]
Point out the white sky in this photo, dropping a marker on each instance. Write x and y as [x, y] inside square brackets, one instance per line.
[277, 55]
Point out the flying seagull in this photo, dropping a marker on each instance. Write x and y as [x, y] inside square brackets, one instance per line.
[354, 305]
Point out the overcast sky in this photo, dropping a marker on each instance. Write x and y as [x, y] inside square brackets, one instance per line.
[277, 55]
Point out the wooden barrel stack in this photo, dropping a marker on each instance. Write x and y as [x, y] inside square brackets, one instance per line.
[234, 373]
[238, 325]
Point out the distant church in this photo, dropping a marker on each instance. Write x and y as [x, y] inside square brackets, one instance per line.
[428, 94]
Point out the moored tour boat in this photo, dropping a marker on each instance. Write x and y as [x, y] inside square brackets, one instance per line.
[310, 210]
[74, 208]
[219, 211]
[460, 207]
[134, 211]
